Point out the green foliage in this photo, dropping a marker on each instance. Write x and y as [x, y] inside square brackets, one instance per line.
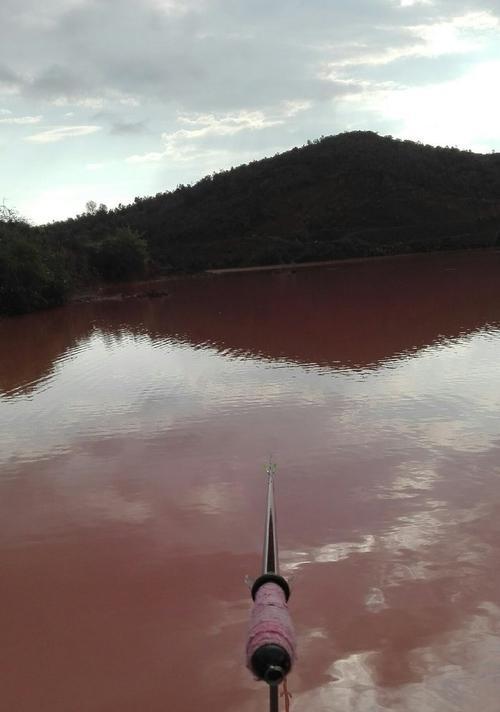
[356, 194]
[31, 276]
[121, 256]
[10, 215]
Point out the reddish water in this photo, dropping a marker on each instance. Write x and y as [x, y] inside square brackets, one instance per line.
[133, 437]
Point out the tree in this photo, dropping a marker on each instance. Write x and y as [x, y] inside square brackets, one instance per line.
[91, 207]
[121, 256]
[32, 276]
[10, 215]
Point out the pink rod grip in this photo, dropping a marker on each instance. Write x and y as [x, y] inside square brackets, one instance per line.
[270, 622]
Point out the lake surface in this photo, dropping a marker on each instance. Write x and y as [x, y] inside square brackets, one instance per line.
[133, 440]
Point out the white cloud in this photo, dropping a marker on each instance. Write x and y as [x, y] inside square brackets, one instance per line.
[221, 84]
[95, 103]
[184, 144]
[129, 101]
[458, 35]
[86, 102]
[228, 124]
[292, 108]
[463, 112]
[411, 3]
[20, 120]
[151, 157]
[61, 132]
[178, 7]
[484, 20]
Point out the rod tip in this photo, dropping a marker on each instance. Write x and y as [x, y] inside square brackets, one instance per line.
[271, 468]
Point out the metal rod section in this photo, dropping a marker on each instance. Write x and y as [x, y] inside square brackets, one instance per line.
[273, 698]
[270, 564]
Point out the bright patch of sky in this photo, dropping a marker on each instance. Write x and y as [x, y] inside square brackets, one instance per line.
[110, 100]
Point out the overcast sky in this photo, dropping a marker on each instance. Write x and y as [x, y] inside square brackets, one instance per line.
[109, 99]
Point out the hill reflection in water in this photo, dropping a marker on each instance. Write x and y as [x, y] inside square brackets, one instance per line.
[352, 315]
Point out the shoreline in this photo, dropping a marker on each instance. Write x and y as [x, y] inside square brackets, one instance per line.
[156, 287]
[348, 260]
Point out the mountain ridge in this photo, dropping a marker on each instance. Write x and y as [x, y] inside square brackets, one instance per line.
[349, 195]
[354, 194]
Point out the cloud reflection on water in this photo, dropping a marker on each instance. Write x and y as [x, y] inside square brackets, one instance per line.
[131, 479]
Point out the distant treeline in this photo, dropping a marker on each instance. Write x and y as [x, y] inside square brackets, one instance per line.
[356, 194]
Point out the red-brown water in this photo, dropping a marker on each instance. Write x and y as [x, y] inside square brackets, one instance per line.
[133, 439]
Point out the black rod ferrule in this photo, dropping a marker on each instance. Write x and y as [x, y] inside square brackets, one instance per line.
[271, 578]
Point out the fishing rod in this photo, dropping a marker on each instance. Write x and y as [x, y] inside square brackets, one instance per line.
[271, 638]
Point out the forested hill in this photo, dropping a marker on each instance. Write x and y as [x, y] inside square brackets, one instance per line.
[354, 194]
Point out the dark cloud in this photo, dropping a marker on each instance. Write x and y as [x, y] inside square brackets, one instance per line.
[57, 81]
[205, 56]
[124, 128]
[9, 80]
[7, 75]
[281, 68]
